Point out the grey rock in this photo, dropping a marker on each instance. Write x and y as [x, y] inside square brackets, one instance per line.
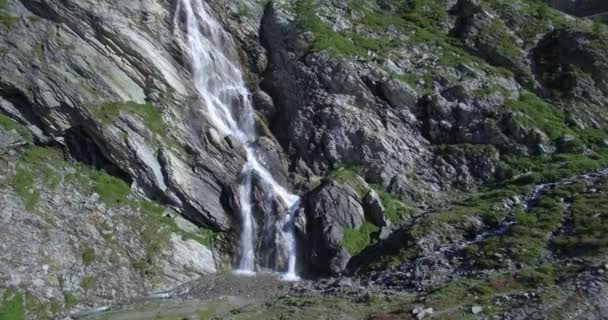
[570, 144]
[79, 55]
[372, 204]
[68, 242]
[476, 309]
[423, 313]
[399, 95]
[330, 209]
[10, 140]
[263, 103]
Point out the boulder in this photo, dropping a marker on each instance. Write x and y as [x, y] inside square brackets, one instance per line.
[399, 95]
[570, 144]
[330, 209]
[476, 309]
[9, 139]
[374, 210]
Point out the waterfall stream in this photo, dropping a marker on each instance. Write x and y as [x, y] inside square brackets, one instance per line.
[223, 93]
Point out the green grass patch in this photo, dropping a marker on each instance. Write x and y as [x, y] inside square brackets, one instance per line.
[88, 283]
[533, 112]
[394, 209]
[155, 236]
[325, 37]
[348, 43]
[482, 291]
[6, 19]
[530, 170]
[112, 191]
[486, 205]
[526, 241]
[587, 234]
[69, 300]
[88, 256]
[12, 305]
[10, 124]
[533, 17]
[23, 184]
[504, 41]
[350, 175]
[394, 254]
[109, 112]
[36, 172]
[356, 240]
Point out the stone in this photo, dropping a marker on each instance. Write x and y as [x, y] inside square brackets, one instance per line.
[10, 140]
[374, 210]
[264, 104]
[570, 144]
[476, 309]
[399, 95]
[424, 313]
[330, 209]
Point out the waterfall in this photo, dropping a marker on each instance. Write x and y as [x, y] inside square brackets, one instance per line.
[223, 93]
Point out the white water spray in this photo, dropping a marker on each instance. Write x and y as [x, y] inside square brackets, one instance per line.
[222, 91]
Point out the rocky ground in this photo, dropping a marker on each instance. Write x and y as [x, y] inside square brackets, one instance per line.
[450, 156]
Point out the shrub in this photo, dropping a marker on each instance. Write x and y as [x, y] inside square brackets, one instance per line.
[88, 256]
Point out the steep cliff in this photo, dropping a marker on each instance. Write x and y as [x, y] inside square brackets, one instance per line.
[444, 148]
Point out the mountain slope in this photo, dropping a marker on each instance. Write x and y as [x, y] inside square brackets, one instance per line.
[438, 147]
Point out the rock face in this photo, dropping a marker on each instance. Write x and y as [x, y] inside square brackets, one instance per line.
[83, 62]
[9, 140]
[575, 64]
[331, 208]
[337, 98]
[580, 7]
[374, 209]
[390, 118]
[71, 251]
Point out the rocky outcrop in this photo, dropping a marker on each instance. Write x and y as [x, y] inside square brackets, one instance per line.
[9, 139]
[581, 8]
[68, 250]
[489, 37]
[330, 210]
[128, 73]
[574, 65]
[374, 209]
[352, 125]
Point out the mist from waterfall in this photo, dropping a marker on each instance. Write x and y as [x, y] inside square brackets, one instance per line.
[223, 93]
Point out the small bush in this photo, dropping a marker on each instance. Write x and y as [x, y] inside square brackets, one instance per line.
[542, 276]
[69, 299]
[88, 283]
[88, 256]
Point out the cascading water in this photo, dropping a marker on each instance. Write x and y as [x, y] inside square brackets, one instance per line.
[222, 91]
